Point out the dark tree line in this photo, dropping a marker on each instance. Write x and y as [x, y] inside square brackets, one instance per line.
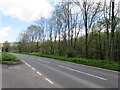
[84, 29]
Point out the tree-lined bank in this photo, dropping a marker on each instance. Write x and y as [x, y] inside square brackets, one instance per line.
[83, 29]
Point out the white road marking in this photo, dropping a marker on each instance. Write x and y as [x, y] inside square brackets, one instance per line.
[93, 67]
[43, 61]
[24, 61]
[49, 80]
[27, 64]
[39, 73]
[33, 69]
[83, 72]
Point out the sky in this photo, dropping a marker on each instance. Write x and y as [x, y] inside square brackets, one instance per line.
[17, 15]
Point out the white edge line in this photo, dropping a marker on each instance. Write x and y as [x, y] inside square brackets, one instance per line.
[83, 72]
[23, 61]
[49, 80]
[39, 73]
[33, 69]
[27, 64]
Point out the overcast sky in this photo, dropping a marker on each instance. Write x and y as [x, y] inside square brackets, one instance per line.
[17, 15]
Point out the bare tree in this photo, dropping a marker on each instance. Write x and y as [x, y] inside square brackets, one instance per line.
[89, 10]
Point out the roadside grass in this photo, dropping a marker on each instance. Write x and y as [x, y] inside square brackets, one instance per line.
[0, 56]
[106, 64]
[7, 58]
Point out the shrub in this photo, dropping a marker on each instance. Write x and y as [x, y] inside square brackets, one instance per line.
[71, 53]
[6, 56]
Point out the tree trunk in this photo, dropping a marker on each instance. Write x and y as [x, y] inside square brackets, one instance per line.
[112, 33]
[86, 31]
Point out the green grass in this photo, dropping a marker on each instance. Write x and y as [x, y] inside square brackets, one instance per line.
[7, 58]
[0, 56]
[90, 62]
[7, 62]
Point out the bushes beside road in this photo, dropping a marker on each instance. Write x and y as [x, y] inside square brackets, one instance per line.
[6, 58]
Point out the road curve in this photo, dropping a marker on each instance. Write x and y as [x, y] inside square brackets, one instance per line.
[63, 74]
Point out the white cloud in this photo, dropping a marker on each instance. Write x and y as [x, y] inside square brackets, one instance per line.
[9, 34]
[4, 31]
[26, 10]
[17, 30]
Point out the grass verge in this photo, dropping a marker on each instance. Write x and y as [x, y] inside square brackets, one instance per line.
[112, 65]
[6, 58]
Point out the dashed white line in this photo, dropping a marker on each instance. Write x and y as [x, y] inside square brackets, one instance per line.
[49, 80]
[33, 69]
[39, 73]
[43, 61]
[83, 72]
[24, 61]
[27, 64]
[93, 67]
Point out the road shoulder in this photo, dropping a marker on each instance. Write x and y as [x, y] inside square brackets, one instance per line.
[22, 76]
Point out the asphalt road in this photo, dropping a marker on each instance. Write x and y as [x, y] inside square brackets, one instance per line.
[51, 73]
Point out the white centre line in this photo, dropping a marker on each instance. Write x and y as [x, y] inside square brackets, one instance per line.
[49, 80]
[92, 67]
[83, 72]
[39, 73]
[43, 61]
